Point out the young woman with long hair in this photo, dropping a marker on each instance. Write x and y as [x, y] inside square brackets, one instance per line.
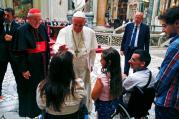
[60, 94]
[108, 87]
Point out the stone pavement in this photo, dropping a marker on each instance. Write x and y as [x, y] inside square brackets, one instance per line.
[9, 107]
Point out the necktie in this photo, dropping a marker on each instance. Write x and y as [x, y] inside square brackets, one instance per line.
[7, 28]
[132, 43]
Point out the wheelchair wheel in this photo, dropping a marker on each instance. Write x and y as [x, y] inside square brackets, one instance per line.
[120, 113]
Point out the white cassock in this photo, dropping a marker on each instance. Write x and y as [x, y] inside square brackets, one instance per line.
[82, 46]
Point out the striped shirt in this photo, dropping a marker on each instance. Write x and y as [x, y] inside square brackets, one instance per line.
[167, 86]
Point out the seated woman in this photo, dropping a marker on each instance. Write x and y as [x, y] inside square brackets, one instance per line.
[60, 94]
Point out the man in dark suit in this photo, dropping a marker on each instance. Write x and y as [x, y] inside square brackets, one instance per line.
[6, 41]
[136, 36]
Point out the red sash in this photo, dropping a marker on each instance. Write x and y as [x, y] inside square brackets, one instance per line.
[40, 47]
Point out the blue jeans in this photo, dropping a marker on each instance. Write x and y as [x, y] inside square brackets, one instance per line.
[166, 113]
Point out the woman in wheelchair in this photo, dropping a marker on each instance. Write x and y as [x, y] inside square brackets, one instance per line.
[108, 86]
[60, 95]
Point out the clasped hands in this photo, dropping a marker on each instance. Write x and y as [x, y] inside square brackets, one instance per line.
[8, 37]
[26, 74]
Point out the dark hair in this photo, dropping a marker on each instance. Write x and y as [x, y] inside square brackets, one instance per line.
[60, 76]
[144, 56]
[10, 10]
[170, 15]
[113, 66]
[162, 17]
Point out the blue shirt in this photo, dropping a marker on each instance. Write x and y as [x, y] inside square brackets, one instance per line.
[167, 86]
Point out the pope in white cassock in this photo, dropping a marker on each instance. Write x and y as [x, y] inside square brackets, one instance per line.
[81, 41]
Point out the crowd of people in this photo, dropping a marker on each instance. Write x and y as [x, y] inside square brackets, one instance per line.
[59, 87]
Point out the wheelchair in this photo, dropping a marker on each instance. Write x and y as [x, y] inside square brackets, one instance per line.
[120, 113]
[138, 106]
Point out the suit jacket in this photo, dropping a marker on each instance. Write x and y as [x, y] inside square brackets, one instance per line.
[143, 38]
[6, 46]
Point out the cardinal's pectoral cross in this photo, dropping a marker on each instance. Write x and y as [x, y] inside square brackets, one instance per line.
[38, 46]
[76, 52]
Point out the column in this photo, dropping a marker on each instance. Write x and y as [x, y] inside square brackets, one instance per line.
[114, 9]
[95, 2]
[155, 10]
[128, 10]
[58, 9]
[151, 4]
[101, 12]
[45, 8]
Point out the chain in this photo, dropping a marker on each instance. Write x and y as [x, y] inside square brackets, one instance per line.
[75, 43]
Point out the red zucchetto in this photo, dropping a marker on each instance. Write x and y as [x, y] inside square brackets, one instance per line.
[34, 12]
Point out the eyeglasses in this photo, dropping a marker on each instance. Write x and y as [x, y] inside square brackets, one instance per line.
[134, 61]
[164, 25]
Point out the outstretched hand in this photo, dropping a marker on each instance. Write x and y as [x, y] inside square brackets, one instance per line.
[62, 48]
[8, 37]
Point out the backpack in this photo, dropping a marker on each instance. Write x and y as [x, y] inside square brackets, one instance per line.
[141, 100]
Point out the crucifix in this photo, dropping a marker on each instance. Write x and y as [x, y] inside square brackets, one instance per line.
[77, 45]
[76, 52]
[38, 46]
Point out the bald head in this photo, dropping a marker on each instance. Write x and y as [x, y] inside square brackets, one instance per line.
[138, 17]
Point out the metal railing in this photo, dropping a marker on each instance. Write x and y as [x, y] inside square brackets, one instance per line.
[120, 28]
[115, 38]
[112, 39]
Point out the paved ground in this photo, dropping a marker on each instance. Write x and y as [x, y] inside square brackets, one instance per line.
[9, 107]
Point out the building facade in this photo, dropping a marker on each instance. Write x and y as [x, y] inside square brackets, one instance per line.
[161, 6]
[138, 5]
[52, 9]
[99, 9]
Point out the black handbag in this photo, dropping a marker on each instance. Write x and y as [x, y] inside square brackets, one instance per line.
[141, 100]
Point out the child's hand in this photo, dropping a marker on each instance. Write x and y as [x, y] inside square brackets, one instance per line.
[62, 48]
